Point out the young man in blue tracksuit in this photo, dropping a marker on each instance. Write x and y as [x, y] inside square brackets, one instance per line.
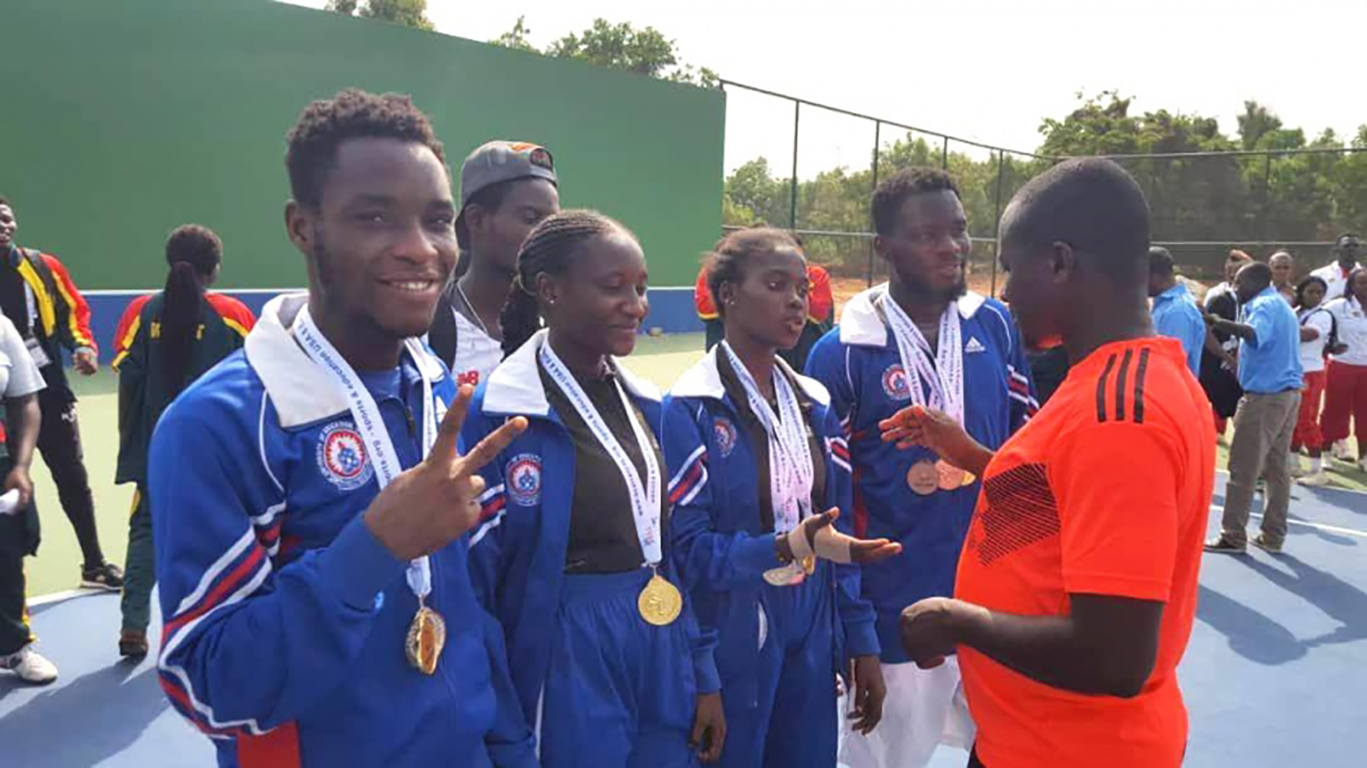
[572, 558]
[316, 613]
[921, 338]
[756, 457]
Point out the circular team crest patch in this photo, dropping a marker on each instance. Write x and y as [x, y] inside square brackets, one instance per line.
[524, 479]
[725, 433]
[895, 383]
[342, 457]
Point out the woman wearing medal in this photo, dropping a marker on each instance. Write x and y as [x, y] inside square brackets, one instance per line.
[608, 662]
[755, 453]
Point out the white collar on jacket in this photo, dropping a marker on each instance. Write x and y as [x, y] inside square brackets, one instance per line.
[297, 387]
[861, 325]
[514, 387]
[704, 380]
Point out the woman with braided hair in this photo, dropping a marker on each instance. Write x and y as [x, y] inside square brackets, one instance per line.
[760, 476]
[571, 556]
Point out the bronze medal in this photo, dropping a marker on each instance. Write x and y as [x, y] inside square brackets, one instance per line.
[951, 477]
[923, 478]
[426, 638]
[785, 575]
[660, 602]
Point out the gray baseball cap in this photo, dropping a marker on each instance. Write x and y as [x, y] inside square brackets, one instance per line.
[500, 161]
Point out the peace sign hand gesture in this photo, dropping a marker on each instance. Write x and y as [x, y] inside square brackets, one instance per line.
[432, 504]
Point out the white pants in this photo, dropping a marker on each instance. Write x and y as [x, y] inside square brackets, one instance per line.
[924, 708]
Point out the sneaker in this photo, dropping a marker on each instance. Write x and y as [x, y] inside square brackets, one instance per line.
[1315, 479]
[1293, 466]
[106, 576]
[1362, 465]
[1224, 546]
[28, 665]
[1267, 545]
[133, 644]
[1341, 451]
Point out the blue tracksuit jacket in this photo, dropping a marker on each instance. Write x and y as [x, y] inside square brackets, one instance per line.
[285, 619]
[517, 557]
[719, 547]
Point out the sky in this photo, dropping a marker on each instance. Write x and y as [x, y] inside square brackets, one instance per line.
[981, 69]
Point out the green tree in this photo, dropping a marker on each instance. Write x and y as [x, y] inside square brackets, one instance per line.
[409, 13]
[617, 46]
[517, 37]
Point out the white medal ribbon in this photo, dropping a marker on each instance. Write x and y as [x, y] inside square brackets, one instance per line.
[645, 497]
[791, 473]
[366, 413]
[945, 375]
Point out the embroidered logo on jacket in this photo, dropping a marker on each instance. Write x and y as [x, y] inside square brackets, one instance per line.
[974, 345]
[342, 456]
[725, 433]
[524, 479]
[895, 384]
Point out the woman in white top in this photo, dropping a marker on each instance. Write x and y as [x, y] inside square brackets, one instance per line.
[1317, 326]
[1345, 385]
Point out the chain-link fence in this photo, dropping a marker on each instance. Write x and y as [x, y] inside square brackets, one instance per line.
[1203, 204]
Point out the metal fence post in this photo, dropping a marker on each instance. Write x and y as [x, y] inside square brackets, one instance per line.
[944, 155]
[877, 146]
[792, 202]
[997, 221]
[1267, 197]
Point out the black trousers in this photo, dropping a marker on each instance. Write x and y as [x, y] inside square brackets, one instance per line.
[18, 538]
[59, 442]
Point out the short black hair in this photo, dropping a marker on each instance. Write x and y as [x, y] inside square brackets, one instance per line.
[351, 114]
[1161, 262]
[726, 262]
[1346, 235]
[5, 201]
[1093, 205]
[901, 185]
[1258, 271]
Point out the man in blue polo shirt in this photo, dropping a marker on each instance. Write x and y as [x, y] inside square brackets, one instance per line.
[1271, 375]
[1175, 314]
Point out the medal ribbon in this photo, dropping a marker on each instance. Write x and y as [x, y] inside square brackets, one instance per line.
[945, 375]
[791, 473]
[366, 413]
[645, 496]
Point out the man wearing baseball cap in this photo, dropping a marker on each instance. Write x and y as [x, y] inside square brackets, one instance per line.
[506, 189]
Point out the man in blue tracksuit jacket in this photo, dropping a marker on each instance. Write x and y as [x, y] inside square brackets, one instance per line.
[922, 232]
[282, 565]
[723, 552]
[518, 566]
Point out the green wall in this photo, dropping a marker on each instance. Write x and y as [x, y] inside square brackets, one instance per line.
[122, 120]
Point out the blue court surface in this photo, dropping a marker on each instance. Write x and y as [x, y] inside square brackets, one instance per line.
[1276, 673]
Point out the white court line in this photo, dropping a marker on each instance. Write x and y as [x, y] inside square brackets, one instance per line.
[1306, 523]
[57, 597]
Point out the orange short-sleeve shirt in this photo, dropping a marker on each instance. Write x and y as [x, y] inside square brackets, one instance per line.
[1105, 491]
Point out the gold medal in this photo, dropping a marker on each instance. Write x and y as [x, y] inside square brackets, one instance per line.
[969, 478]
[660, 601]
[426, 638]
[809, 564]
[951, 477]
[923, 478]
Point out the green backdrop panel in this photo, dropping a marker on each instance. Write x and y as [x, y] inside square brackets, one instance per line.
[125, 119]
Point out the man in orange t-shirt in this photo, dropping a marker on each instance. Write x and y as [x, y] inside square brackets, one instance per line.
[1077, 584]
